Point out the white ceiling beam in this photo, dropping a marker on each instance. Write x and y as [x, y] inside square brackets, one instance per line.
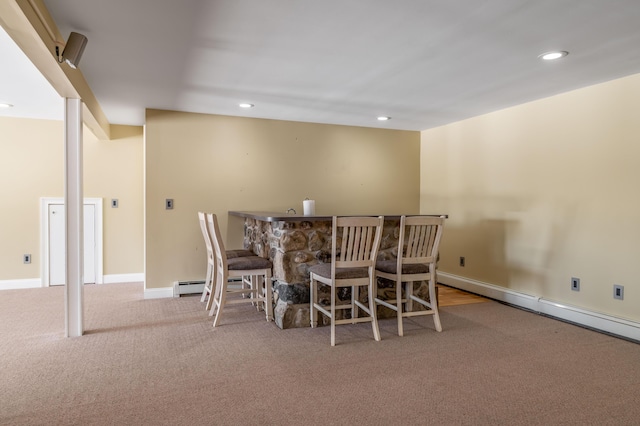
[30, 25]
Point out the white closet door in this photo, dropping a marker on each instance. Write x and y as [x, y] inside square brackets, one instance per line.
[57, 244]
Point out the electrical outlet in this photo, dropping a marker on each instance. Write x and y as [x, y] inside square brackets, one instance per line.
[168, 204]
[575, 284]
[462, 261]
[618, 292]
[26, 258]
[114, 203]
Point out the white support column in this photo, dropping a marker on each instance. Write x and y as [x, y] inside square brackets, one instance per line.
[73, 199]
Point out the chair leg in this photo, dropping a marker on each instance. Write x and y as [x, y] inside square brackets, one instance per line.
[408, 293]
[268, 294]
[355, 295]
[333, 315]
[212, 290]
[313, 313]
[214, 297]
[256, 286]
[210, 298]
[372, 310]
[207, 284]
[434, 305]
[221, 297]
[399, 306]
[220, 303]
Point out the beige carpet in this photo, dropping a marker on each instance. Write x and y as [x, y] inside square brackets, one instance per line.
[159, 362]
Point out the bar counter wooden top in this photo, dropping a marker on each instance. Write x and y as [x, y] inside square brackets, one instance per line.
[288, 217]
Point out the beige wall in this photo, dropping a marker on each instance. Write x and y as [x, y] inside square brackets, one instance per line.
[218, 163]
[543, 192]
[114, 169]
[31, 166]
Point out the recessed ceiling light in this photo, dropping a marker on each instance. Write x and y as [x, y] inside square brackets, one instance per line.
[550, 56]
[246, 105]
[383, 118]
[3, 105]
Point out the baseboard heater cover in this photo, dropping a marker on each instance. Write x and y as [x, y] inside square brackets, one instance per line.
[187, 287]
[195, 287]
[583, 317]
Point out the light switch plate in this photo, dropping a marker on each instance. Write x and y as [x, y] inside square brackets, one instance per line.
[618, 292]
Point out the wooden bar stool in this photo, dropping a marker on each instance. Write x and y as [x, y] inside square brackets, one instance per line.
[354, 247]
[256, 267]
[211, 265]
[418, 245]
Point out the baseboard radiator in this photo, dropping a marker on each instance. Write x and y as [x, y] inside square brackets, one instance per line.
[187, 287]
[196, 287]
[606, 323]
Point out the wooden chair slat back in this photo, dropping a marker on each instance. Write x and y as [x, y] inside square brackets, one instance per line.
[220, 253]
[421, 235]
[205, 232]
[360, 240]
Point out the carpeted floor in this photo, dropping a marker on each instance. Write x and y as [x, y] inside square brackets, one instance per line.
[160, 362]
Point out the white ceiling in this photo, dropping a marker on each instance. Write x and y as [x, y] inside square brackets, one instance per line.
[423, 62]
[22, 86]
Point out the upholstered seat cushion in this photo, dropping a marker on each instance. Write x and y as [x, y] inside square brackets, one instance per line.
[324, 270]
[391, 267]
[239, 253]
[248, 262]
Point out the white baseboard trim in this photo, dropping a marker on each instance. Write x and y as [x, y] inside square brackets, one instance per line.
[606, 323]
[123, 278]
[37, 282]
[158, 293]
[20, 284]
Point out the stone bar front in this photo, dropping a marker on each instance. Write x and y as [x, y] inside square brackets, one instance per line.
[294, 243]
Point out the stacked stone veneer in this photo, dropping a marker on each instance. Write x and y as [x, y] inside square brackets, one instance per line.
[295, 246]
